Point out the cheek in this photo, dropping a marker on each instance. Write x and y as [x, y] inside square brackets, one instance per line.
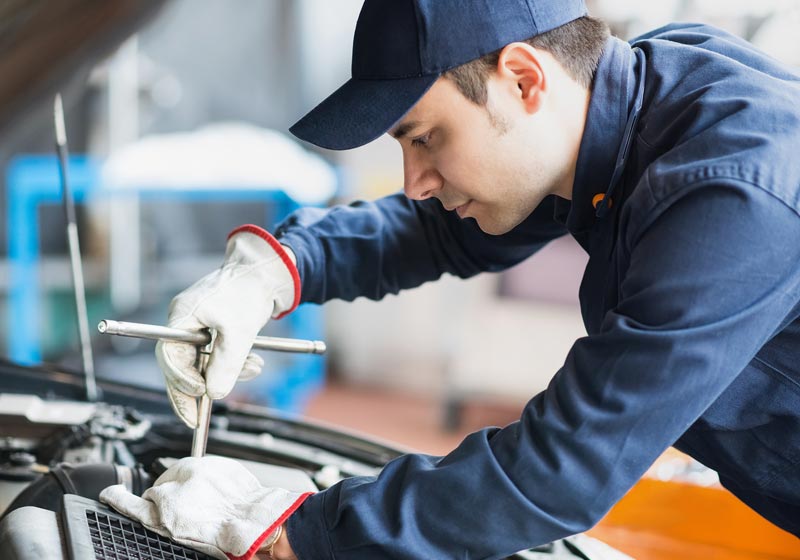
[452, 164]
[465, 162]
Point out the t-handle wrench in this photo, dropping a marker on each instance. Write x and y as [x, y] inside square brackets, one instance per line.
[204, 340]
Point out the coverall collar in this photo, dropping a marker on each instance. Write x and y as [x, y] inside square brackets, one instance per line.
[613, 95]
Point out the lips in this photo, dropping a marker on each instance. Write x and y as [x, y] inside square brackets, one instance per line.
[460, 208]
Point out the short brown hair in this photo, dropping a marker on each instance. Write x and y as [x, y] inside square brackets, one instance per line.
[576, 45]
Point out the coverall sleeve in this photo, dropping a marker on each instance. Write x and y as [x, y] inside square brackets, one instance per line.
[711, 277]
[376, 248]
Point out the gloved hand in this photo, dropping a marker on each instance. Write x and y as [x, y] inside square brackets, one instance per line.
[211, 504]
[257, 280]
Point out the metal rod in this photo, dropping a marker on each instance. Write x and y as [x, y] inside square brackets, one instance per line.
[74, 252]
[157, 332]
[200, 437]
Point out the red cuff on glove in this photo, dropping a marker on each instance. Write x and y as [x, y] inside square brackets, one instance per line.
[278, 248]
[272, 528]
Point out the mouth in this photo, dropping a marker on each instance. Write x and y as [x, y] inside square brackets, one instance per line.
[447, 207]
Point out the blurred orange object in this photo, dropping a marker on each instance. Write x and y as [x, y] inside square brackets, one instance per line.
[669, 520]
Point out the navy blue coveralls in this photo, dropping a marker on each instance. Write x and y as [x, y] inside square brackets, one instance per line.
[691, 301]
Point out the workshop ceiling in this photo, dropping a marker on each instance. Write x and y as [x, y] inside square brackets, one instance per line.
[43, 43]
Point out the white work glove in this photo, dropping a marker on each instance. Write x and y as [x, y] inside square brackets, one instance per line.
[210, 504]
[257, 280]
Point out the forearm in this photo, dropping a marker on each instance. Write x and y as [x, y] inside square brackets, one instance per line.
[376, 248]
[370, 249]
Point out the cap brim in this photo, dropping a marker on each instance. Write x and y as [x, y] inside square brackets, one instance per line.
[360, 111]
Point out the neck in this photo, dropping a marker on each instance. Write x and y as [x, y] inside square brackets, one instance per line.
[574, 106]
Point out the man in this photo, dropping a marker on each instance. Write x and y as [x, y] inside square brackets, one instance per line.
[671, 160]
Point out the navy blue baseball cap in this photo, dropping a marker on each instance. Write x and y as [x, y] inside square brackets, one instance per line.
[401, 47]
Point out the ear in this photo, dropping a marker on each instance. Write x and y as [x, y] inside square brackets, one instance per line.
[520, 66]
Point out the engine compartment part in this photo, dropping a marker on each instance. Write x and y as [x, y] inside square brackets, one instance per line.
[36, 410]
[82, 480]
[19, 542]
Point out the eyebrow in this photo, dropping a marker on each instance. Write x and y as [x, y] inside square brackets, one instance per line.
[403, 129]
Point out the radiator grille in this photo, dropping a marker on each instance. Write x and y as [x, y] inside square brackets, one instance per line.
[114, 538]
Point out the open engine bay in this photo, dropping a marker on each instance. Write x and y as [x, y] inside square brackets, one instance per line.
[58, 452]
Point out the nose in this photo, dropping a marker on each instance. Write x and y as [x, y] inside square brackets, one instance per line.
[421, 179]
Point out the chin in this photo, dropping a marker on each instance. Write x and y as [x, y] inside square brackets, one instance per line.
[493, 228]
[499, 225]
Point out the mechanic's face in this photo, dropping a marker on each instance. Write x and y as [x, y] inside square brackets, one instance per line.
[494, 163]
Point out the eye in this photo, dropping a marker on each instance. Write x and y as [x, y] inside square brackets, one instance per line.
[421, 141]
